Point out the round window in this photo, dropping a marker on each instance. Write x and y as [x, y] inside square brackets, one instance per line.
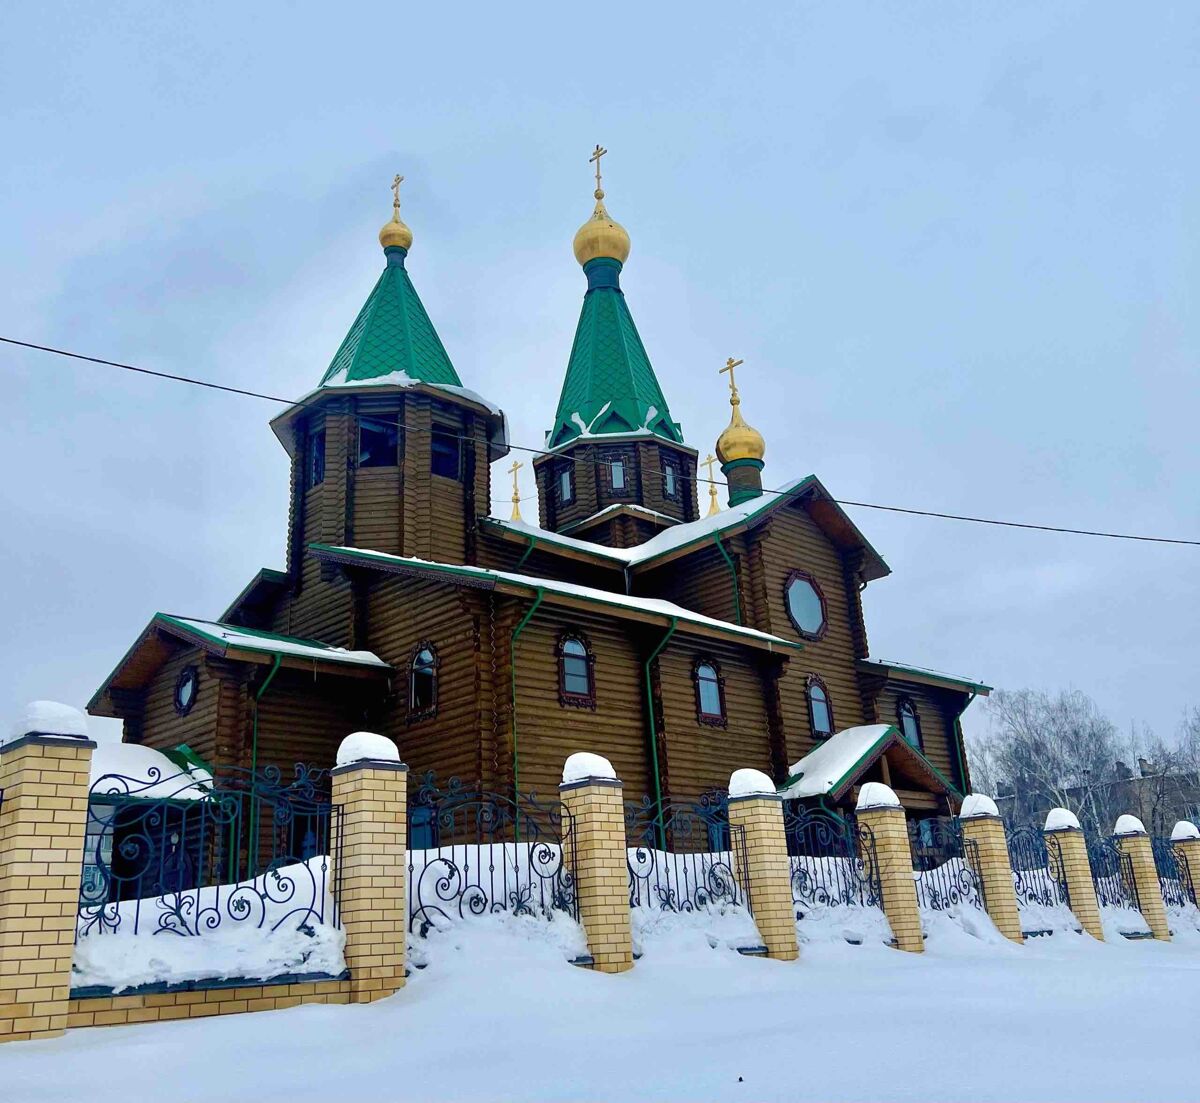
[185, 690]
[805, 605]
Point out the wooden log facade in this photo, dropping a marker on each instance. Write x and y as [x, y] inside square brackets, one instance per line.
[625, 625]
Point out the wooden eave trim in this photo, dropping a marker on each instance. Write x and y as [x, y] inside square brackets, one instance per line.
[899, 675]
[299, 662]
[541, 543]
[893, 739]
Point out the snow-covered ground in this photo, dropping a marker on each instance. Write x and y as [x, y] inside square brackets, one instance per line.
[497, 1014]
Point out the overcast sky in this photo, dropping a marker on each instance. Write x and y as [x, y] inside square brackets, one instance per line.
[954, 243]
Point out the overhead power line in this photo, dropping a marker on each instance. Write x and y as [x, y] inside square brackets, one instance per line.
[545, 452]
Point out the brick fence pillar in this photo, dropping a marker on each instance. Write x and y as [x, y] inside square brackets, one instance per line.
[43, 818]
[370, 787]
[1134, 843]
[1185, 842]
[1065, 844]
[981, 823]
[879, 810]
[758, 810]
[593, 799]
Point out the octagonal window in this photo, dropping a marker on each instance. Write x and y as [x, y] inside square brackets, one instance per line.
[805, 604]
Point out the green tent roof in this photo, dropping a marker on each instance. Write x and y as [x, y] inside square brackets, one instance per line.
[610, 387]
[392, 333]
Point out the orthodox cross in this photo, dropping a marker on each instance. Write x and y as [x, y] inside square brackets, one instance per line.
[516, 495]
[396, 182]
[595, 157]
[708, 462]
[730, 364]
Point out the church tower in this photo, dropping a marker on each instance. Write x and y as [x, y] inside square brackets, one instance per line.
[390, 452]
[618, 470]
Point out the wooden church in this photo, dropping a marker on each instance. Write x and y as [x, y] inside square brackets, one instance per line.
[678, 643]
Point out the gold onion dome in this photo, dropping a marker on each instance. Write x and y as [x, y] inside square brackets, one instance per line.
[600, 236]
[395, 232]
[739, 441]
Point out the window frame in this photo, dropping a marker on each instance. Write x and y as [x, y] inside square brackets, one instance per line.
[392, 421]
[314, 460]
[567, 469]
[442, 433]
[670, 463]
[798, 575]
[429, 710]
[710, 719]
[191, 673]
[607, 458]
[566, 698]
[907, 702]
[815, 681]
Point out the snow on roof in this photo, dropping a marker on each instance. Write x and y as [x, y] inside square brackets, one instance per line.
[928, 672]
[630, 507]
[130, 769]
[820, 771]
[567, 589]
[250, 639]
[666, 541]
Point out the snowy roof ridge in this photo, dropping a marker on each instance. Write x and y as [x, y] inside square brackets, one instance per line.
[632, 507]
[484, 575]
[255, 639]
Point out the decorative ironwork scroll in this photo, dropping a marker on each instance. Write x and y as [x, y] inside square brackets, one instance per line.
[186, 853]
[1112, 874]
[1039, 877]
[684, 857]
[476, 853]
[945, 864]
[833, 860]
[1174, 876]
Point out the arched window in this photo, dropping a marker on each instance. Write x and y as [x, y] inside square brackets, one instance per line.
[910, 722]
[576, 673]
[710, 693]
[820, 709]
[422, 682]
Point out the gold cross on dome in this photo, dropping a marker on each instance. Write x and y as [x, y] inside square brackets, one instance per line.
[396, 182]
[595, 157]
[713, 507]
[730, 364]
[516, 494]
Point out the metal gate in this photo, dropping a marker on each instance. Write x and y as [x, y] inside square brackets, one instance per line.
[833, 861]
[1174, 876]
[945, 864]
[1112, 874]
[1039, 877]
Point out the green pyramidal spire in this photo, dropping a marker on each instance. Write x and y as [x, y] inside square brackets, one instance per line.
[610, 387]
[392, 332]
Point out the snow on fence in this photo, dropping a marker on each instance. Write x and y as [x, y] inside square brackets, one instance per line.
[945, 865]
[1116, 889]
[476, 853]
[1039, 881]
[833, 862]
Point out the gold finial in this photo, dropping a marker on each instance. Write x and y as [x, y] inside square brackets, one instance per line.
[595, 157]
[395, 232]
[516, 495]
[739, 441]
[600, 236]
[713, 507]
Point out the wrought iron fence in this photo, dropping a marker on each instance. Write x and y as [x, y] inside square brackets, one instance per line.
[186, 853]
[833, 860]
[1174, 876]
[683, 857]
[945, 864]
[1112, 874]
[1039, 876]
[473, 853]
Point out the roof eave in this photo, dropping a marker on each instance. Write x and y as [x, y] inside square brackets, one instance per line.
[898, 673]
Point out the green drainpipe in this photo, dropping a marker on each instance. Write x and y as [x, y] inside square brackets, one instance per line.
[258, 694]
[527, 552]
[737, 601]
[825, 808]
[654, 730]
[512, 667]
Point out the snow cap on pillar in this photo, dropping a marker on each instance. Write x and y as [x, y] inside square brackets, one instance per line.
[750, 783]
[877, 795]
[976, 806]
[1129, 825]
[366, 747]
[50, 718]
[582, 765]
[1060, 819]
[1184, 830]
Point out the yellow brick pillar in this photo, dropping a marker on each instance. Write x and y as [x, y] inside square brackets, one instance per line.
[1185, 842]
[879, 810]
[1065, 845]
[370, 787]
[44, 784]
[755, 807]
[1134, 843]
[594, 844]
[981, 824]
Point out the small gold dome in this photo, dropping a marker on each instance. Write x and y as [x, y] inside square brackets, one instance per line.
[740, 441]
[397, 233]
[600, 236]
